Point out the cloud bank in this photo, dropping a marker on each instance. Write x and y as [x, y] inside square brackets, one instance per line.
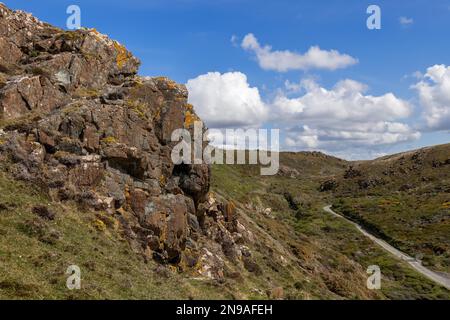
[343, 117]
[335, 120]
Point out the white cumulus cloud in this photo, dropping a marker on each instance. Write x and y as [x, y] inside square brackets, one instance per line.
[434, 95]
[343, 120]
[226, 100]
[344, 117]
[282, 61]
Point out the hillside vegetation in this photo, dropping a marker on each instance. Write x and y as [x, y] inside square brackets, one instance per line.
[296, 246]
[297, 221]
[405, 199]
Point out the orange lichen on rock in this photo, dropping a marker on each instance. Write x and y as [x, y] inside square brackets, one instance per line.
[171, 85]
[162, 180]
[122, 54]
[190, 118]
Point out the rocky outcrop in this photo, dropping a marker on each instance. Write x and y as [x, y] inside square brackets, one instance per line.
[78, 121]
[328, 185]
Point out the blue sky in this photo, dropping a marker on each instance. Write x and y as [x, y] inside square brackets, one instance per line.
[186, 39]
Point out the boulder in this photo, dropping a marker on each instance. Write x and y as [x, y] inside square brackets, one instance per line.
[328, 185]
[166, 216]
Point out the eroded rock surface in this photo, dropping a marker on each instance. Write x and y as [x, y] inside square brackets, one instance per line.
[80, 123]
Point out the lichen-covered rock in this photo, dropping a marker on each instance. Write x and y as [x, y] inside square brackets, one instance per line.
[45, 67]
[80, 123]
[77, 121]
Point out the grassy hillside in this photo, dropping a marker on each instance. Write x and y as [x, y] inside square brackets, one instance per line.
[333, 252]
[405, 199]
[296, 247]
[35, 254]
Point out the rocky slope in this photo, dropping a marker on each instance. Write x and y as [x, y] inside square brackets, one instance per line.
[332, 254]
[80, 123]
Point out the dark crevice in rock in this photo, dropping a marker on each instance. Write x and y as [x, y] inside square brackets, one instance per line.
[127, 166]
[27, 104]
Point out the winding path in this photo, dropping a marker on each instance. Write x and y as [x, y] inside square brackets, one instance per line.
[417, 265]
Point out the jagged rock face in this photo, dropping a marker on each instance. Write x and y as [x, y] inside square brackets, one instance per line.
[79, 122]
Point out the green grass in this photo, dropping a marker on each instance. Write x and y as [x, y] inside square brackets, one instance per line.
[327, 257]
[399, 281]
[418, 225]
[333, 248]
[110, 269]
[404, 199]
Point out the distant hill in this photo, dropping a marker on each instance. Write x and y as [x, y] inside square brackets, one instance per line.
[405, 198]
[417, 169]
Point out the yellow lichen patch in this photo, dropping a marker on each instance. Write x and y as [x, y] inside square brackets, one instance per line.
[108, 221]
[71, 35]
[160, 79]
[87, 93]
[162, 180]
[97, 35]
[122, 54]
[138, 82]
[109, 140]
[446, 205]
[230, 210]
[99, 225]
[157, 114]
[95, 31]
[121, 211]
[173, 268]
[138, 107]
[171, 85]
[23, 121]
[190, 118]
